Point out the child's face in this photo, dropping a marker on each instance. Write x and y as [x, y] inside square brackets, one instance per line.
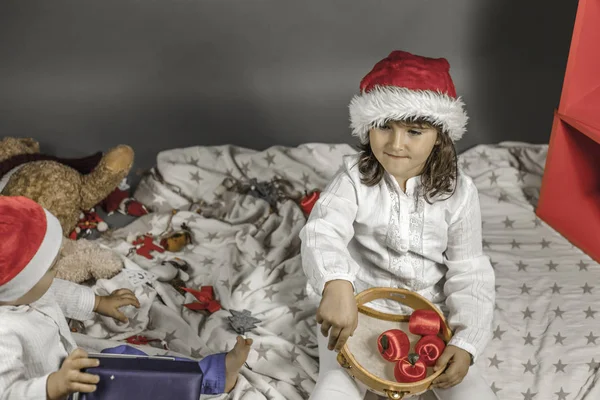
[402, 149]
[38, 290]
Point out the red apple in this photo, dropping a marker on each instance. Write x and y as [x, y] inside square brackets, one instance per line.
[430, 348]
[307, 203]
[424, 322]
[410, 369]
[393, 345]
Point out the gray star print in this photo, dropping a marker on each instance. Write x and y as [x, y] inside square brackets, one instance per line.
[194, 161]
[559, 339]
[494, 388]
[528, 339]
[245, 168]
[515, 245]
[521, 175]
[304, 341]
[244, 288]
[269, 158]
[270, 292]
[560, 367]
[494, 178]
[281, 274]
[508, 223]
[225, 284]
[465, 164]
[211, 236]
[495, 362]
[562, 395]
[298, 380]
[498, 333]
[134, 322]
[170, 336]
[527, 313]
[522, 266]
[556, 288]
[558, 312]
[332, 147]
[262, 352]
[238, 267]
[305, 179]
[529, 367]
[591, 338]
[485, 244]
[300, 296]
[503, 197]
[587, 288]
[593, 365]
[589, 313]
[195, 353]
[146, 290]
[582, 266]
[537, 222]
[528, 395]
[552, 266]
[218, 153]
[258, 257]
[195, 176]
[293, 355]
[294, 310]
[525, 289]
[208, 261]
[545, 243]
[192, 218]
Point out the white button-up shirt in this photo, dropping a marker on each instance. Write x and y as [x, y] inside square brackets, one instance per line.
[381, 236]
[35, 339]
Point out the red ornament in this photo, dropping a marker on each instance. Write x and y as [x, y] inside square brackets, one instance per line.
[430, 348]
[88, 220]
[206, 299]
[393, 344]
[424, 322]
[145, 244]
[410, 369]
[308, 202]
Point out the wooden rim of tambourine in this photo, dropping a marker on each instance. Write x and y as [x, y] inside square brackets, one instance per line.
[393, 390]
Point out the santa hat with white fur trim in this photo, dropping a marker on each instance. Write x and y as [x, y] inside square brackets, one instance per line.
[30, 239]
[404, 86]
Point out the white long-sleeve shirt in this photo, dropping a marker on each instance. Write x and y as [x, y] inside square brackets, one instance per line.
[35, 339]
[381, 236]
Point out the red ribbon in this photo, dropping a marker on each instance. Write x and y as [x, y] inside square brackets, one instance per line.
[393, 344]
[430, 348]
[206, 299]
[406, 372]
[308, 202]
[143, 340]
[424, 322]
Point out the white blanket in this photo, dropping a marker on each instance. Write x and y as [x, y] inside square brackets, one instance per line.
[544, 344]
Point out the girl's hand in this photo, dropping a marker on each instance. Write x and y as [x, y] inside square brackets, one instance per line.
[338, 313]
[459, 360]
[69, 378]
[109, 305]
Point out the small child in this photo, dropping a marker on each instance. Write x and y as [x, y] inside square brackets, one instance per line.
[401, 214]
[39, 359]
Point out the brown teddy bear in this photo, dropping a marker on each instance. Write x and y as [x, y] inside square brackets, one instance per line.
[66, 188]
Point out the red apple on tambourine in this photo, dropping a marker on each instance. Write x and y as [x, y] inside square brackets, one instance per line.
[410, 369]
[393, 344]
[424, 322]
[430, 348]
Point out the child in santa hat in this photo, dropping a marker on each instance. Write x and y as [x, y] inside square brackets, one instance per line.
[401, 214]
[39, 359]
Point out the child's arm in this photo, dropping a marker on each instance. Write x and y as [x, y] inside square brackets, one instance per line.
[76, 301]
[470, 279]
[13, 384]
[329, 229]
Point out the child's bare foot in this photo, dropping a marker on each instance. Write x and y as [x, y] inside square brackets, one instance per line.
[234, 361]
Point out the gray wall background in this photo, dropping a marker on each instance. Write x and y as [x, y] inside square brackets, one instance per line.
[81, 76]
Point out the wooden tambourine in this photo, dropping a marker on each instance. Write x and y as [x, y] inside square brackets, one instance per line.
[360, 356]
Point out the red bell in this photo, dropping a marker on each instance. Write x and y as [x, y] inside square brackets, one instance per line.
[424, 322]
[410, 369]
[393, 344]
[308, 202]
[430, 348]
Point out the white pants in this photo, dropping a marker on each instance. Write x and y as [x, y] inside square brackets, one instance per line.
[334, 383]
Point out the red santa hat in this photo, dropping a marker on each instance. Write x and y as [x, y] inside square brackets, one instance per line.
[404, 86]
[30, 239]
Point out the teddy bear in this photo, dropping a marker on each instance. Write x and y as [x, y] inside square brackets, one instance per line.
[66, 188]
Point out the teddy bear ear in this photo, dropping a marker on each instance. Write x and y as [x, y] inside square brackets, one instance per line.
[33, 144]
